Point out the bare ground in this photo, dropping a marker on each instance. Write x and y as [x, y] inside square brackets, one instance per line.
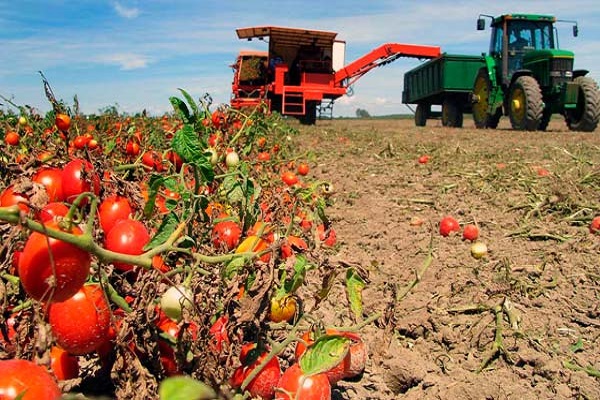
[521, 323]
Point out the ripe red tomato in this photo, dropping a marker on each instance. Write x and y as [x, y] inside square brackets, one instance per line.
[218, 118]
[79, 176]
[63, 365]
[12, 138]
[291, 245]
[448, 225]
[127, 236]
[295, 385]
[80, 324]
[289, 178]
[132, 148]
[470, 232]
[113, 209]
[10, 198]
[329, 237]
[218, 333]
[25, 380]
[51, 178]
[153, 160]
[226, 233]
[263, 156]
[594, 225]
[62, 121]
[52, 210]
[424, 159]
[303, 169]
[44, 257]
[263, 385]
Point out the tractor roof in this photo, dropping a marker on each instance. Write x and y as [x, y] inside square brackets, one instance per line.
[288, 36]
[526, 17]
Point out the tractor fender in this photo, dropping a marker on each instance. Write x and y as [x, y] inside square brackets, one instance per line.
[579, 72]
[519, 73]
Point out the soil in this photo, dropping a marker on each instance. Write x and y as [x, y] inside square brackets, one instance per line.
[520, 323]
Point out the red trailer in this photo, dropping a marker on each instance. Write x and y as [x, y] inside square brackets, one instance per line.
[303, 69]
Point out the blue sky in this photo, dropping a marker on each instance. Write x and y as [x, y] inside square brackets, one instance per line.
[134, 54]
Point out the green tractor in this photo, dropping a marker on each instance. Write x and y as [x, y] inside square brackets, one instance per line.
[528, 78]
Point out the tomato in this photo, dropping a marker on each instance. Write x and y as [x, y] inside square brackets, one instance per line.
[303, 169]
[218, 118]
[470, 232]
[264, 230]
[12, 138]
[263, 156]
[261, 142]
[263, 385]
[448, 225]
[79, 176]
[295, 385]
[424, 159]
[594, 225]
[80, 142]
[327, 237]
[174, 300]
[10, 198]
[218, 333]
[62, 121]
[63, 365]
[167, 358]
[127, 236]
[51, 178]
[291, 245]
[80, 324]
[254, 244]
[289, 178]
[44, 257]
[232, 159]
[111, 210]
[153, 160]
[226, 234]
[478, 250]
[132, 148]
[52, 211]
[283, 308]
[25, 380]
[175, 160]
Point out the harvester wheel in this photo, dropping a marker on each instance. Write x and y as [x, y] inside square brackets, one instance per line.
[421, 114]
[525, 104]
[585, 117]
[310, 115]
[452, 115]
[481, 92]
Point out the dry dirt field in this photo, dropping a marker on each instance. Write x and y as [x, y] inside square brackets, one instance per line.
[522, 322]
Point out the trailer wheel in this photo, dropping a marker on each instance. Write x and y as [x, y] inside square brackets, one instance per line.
[452, 115]
[481, 92]
[525, 104]
[421, 114]
[585, 117]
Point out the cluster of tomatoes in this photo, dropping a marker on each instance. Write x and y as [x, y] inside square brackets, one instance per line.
[146, 246]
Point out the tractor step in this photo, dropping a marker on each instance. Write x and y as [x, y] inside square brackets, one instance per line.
[293, 103]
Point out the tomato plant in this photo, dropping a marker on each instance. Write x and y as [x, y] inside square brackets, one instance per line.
[80, 324]
[51, 269]
[127, 236]
[25, 380]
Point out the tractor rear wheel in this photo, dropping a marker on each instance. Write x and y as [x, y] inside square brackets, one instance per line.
[481, 91]
[585, 117]
[421, 114]
[525, 104]
[452, 115]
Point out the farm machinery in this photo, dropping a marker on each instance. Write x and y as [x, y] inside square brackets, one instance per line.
[303, 71]
[525, 76]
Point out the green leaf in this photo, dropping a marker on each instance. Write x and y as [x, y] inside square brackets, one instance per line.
[206, 169]
[576, 347]
[300, 268]
[187, 144]
[354, 287]
[192, 104]
[184, 388]
[154, 183]
[181, 109]
[325, 353]
[233, 189]
[167, 227]
[234, 266]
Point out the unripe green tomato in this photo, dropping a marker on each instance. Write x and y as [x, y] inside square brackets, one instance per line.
[174, 300]
[478, 250]
[22, 121]
[213, 157]
[232, 159]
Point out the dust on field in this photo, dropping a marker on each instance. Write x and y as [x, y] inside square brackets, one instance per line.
[520, 323]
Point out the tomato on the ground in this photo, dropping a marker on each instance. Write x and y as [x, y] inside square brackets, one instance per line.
[295, 385]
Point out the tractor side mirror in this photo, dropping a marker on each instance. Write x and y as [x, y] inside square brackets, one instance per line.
[575, 30]
[480, 24]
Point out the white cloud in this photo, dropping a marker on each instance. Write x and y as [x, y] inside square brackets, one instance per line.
[126, 61]
[126, 12]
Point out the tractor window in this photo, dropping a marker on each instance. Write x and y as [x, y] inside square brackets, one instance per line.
[496, 43]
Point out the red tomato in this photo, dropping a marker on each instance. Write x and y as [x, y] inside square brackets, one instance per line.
[303, 169]
[263, 156]
[295, 385]
[80, 324]
[219, 334]
[167, 358]
[218, 118]
[448, 225]
[424, 159]
[80, 142]
[12, 138]
[594, 225]
[51, 178]
[10, 198]
[175, 160]
[63, 365]
[62, 121]
[132, 148]
[226, 233]
[327, 237]
[263, 385]
[153, 160]
[470, 232]
[289, 178]
[52, 210]
[291, 245]
[113, 209]
[44, 257]
[25, 380]
[127, 236]
[79, 176]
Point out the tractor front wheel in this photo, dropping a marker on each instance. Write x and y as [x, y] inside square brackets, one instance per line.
[525, 104]
[452, 115]
[587, 113]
